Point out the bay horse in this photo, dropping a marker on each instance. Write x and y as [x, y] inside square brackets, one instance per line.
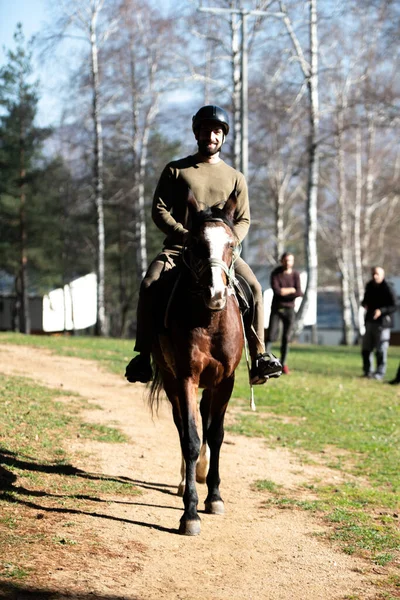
[200, 347]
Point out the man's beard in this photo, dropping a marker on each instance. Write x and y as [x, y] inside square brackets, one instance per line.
[205, 151]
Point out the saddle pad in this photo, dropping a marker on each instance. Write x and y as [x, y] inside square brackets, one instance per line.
[245, 297]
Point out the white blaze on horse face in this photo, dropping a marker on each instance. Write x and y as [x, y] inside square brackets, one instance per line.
[218, 238]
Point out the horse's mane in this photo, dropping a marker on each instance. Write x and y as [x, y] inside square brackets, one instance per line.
[210, 213]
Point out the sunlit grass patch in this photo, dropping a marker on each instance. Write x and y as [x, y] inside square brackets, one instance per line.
[39, 482]
[10, 570]
[353, 516]
[102, 433]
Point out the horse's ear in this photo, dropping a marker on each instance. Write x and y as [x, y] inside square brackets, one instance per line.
[230, 206]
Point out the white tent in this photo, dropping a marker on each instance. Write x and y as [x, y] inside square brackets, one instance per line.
[72, 307]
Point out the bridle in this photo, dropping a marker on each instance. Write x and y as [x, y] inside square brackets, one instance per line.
[198, 266]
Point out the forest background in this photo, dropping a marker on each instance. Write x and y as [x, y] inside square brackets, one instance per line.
[322, 129]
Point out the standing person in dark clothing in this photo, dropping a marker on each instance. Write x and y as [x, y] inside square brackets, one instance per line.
[285, 283]
[379, 303]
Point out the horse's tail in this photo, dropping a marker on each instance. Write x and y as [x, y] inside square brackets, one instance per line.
[156, 388]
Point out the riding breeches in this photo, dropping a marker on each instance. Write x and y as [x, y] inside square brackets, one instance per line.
[254, 333]
[164, 261]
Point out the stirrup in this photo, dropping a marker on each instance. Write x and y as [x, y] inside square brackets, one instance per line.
[265, 366]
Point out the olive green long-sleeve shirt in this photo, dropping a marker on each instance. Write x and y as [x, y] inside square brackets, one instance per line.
[211, 184]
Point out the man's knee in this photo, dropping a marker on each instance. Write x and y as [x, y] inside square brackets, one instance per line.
[146, 285]
[256, 290]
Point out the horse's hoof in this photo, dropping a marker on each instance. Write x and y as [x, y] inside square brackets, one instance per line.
[189, 527]
[214, 508]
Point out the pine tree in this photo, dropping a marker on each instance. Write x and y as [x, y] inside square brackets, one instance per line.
[20, 146]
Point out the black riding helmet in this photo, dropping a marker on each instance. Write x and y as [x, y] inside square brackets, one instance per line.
[211, 113]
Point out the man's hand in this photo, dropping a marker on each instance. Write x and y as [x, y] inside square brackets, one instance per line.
[377, 313]
[287, 291]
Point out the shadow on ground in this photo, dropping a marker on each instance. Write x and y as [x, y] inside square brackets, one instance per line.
[10, 591]
[17, 494]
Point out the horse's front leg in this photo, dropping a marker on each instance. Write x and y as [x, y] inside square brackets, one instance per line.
[218, 403]
[204, 459]
[182, 483]
[190, 444]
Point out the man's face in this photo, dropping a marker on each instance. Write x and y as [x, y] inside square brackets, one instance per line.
[210, 138]
[288, 261]
[378, 275]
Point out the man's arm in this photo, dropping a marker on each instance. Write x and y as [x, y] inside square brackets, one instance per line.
[167, 189]
[298, 292]
[242, 214]
[294, 291]
[364, 302]
[390, 302]
[288, 291]
[275, 284]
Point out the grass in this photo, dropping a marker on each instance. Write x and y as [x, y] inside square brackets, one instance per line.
[323, 411]
[330, 413]
[38, 479]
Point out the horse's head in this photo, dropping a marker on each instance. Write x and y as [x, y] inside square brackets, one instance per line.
[209, 252]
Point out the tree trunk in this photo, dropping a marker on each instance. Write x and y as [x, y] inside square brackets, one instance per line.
[236, 101]
[311, 73]
[140, 208]
[24, 321]
[101, 328]
[279, 222]
[358, 268]
[344, 254]
[369, 194]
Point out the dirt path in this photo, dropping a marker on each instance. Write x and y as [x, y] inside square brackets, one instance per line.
[250, 553]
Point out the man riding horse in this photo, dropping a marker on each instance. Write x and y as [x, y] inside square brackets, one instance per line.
[211, 181]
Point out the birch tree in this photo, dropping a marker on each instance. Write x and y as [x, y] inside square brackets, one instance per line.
[278, 162]
[143, 64]
[344, 255]
[80, 19]
[310, 73]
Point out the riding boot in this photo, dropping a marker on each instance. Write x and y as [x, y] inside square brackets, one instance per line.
[139, 368]
[266, 365]
[263, 364]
